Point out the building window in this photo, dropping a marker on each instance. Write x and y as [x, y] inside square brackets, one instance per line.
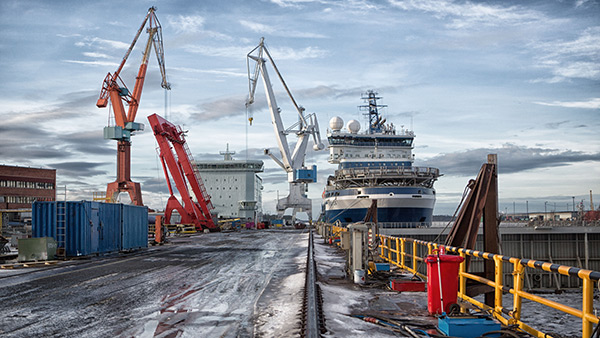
[26, 185]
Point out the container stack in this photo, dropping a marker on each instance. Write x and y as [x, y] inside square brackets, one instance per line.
[83, 228]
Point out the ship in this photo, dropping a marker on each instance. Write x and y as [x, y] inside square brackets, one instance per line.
[377, 165]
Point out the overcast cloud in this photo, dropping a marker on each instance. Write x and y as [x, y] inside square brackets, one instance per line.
[518, 79]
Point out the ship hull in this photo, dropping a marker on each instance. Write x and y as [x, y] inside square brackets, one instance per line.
[396, 206]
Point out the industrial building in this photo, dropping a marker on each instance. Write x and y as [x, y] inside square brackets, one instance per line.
[21, 186]
[234, 186]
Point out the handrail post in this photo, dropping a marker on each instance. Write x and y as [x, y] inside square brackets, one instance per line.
[390, 250]
[587, 306]
[400, 251]
[403, 251]
[518, 270]
[414, 256]
[462, 268]
[429, 248]
[498, 282]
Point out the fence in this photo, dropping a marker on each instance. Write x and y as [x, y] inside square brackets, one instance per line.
[408, 254]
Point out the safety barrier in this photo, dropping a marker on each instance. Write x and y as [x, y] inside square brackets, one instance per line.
[396, 251]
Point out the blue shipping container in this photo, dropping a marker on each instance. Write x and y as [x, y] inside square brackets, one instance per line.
[84, 228]
[134, 227]
[109, 227]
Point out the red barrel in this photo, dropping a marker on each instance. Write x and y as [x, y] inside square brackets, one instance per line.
[449, 275]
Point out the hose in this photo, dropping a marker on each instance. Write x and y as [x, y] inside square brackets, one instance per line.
[596, 332]
[503, 333]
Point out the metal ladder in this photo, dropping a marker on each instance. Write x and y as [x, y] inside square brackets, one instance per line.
[60, 215]
[205, 195]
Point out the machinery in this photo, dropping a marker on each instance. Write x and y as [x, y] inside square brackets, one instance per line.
[114, 88]
[291, 161]
[171, 139]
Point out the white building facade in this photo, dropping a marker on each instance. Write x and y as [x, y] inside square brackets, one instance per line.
[234, 186]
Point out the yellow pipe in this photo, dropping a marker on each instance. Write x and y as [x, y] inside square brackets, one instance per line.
[390, 251]
[587, 307]
[462, 280]
[414, 256]
[480, 279]
[499, 282]
[518, 285]
[403, 250]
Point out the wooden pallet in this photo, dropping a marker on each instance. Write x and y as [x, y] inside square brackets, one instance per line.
[27, 265]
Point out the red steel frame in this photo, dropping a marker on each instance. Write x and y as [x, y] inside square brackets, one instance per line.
[171, 138]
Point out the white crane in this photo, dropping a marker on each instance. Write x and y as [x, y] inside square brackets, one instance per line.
[291, 161]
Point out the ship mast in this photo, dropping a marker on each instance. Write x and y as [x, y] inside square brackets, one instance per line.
[372, 108]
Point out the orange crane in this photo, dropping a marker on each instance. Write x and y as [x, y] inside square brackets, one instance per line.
[114, 88]
[177, 159]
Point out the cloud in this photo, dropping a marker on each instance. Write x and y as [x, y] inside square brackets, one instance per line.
[280, 53]
[155, 185]
[570, 59]
[511, 158]
[102, 43]
[257, 27]
[288, 53]
[226, 72]
[555, 125]
[590, 104]
[68, 35]
[97, 55]
[88, 142]
[223, 107]
[291, 3]
[186, 23]
[30, 134]
[470, 14]
[276, 31]
[93, 63]
[235, 105]
[78, 169]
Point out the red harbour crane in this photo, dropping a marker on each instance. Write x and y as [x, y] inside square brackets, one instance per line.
[176, 158]
[114, 88]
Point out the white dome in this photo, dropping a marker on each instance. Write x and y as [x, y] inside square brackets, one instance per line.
[353, 126]
[336, 123]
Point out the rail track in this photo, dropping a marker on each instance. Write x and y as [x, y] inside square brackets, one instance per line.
[313, 321]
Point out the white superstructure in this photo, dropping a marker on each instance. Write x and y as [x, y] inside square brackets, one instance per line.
[234, 186]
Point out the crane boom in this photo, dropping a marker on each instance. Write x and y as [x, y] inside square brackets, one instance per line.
[115, 90]
[291, 161]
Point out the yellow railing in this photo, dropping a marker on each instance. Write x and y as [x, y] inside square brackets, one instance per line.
[337, 232]
[396, 251]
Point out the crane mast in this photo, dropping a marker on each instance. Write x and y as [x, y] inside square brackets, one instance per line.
[115, 90]
[292, 162]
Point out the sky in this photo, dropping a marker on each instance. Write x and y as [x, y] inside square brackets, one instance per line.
[517, 79]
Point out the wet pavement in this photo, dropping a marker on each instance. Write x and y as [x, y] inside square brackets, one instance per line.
[238, 284]
[209, 285]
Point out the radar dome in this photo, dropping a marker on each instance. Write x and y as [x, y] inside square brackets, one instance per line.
[353, 126]
[336, 123]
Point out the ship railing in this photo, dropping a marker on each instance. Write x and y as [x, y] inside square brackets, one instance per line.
[390, 171]
[398, 225]
[409, 254]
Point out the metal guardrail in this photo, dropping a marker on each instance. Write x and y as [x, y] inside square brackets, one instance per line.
[395, 251]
